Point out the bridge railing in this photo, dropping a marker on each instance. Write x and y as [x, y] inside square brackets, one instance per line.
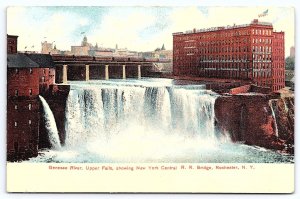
[58, 58]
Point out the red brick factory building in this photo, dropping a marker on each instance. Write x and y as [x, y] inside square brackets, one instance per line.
[252, 52]
[28, 76]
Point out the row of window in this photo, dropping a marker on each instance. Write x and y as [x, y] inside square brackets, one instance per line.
[277, 65]
[262, 41]
[262, 74]
[267, 49]
[16, 123]
[193, 49]
[207, 72]
[278, 81]
[224, 49]
[275, 88]
[278, 44]
[225, 42]
[30, 71]
[216, 58]
[278, 58]
[231, 33]
[261, 32]
[212, 42]
[227, 74]
[279, 36]
[29, 106]
[262, 65]
[277, 73]
[17, 92]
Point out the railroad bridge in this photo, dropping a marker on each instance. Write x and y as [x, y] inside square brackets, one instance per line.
[88, 67]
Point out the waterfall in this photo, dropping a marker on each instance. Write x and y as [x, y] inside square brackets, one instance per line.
[50, 125]
[106, 110]
[146, 120]
[271, 104]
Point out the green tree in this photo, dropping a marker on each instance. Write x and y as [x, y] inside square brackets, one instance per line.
[290, 63]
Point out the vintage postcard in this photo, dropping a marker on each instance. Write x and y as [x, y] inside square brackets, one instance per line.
[150, 99]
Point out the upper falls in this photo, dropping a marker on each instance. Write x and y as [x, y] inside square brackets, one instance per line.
[101, 111]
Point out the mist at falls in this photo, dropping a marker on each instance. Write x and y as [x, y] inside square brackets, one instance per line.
[148, 120]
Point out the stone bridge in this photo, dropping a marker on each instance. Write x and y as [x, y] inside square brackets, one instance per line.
[90, 68]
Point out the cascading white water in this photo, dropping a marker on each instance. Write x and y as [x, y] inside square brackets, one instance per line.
[50, 125]
[107, 116]
[271, 104]
[147, 120]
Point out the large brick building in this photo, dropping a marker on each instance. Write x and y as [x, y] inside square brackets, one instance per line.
[28, 76]
[243, 52]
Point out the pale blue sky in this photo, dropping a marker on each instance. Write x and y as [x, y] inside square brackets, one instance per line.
[135, 28]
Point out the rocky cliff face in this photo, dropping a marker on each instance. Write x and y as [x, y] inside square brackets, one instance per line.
[256, 119]
[285, 118]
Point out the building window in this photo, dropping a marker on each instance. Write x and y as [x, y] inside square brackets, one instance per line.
[16, 107]
[44, 72]
[16, 124]
[30, 91]
[16, 93]
[29, 107]
[30, 70]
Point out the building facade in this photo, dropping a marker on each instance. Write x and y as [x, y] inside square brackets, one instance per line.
[12, 43]
[47, 48]
[243, 52]
[28, 76]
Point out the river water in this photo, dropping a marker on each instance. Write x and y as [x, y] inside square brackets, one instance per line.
[147, 120]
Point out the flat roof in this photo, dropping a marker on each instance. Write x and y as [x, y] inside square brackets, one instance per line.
[224, 28]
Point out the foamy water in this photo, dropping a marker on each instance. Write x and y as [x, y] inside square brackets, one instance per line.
[148, 120]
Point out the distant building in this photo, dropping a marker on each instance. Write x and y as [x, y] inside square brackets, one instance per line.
[244, 52]
[292, 51]
[12, 43]
[124, 52]
[159, 53]
[47, 48]
[28, 76]
[87, 49]
[101, 53]
[80, 50]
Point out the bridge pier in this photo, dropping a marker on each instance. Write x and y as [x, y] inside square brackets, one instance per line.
[139, 72]
[106, 72]
[65, 74]
[87, 72]
[124, 71]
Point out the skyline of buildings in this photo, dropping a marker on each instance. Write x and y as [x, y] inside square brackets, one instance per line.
[145, 28]
[88, 49]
